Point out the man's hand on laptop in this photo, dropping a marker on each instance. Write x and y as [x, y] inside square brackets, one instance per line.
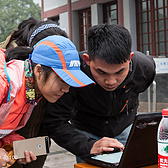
[106, 144]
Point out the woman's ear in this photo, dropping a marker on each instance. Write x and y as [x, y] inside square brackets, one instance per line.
[38, 72]
[86, 58]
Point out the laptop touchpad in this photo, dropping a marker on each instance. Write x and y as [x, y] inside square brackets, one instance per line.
[110, 158]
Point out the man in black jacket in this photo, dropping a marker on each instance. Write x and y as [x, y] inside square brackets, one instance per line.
[97, 118]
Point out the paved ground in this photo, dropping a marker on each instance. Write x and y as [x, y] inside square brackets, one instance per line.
[59, 158]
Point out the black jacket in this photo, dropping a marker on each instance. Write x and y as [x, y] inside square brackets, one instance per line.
[93, 109]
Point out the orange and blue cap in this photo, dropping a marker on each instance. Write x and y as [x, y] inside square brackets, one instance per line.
[60, 54]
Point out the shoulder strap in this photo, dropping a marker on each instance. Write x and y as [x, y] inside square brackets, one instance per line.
[4, 79]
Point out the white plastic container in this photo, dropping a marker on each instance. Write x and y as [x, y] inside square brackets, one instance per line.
[162, 138]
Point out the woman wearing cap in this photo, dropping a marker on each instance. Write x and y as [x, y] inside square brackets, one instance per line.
[30, 32]
[53, 66]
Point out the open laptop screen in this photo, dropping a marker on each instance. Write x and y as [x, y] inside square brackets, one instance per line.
[141, 147]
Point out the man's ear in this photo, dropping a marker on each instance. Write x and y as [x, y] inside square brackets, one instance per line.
[131, 55]
[38, 71]
[86, 58]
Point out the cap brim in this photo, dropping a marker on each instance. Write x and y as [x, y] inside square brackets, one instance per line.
[75, 78]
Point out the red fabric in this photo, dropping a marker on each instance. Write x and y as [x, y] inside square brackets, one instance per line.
[10, 138]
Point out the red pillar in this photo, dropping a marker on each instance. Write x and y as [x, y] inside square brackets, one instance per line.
[42, 10]
[70, 19]
[120, 13]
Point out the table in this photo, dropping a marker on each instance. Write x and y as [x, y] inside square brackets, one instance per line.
[86, 165]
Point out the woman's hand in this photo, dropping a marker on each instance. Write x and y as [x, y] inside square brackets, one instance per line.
[4, 159]
[29, 157]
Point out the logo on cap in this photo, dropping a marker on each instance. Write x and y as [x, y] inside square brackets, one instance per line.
[74, 63]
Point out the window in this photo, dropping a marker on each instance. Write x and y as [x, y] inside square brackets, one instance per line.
[55, 19]
[110, 12]
[152, 26]
[84, 24]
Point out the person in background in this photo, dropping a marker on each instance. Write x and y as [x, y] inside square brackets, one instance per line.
[97, 118]
[36, 30]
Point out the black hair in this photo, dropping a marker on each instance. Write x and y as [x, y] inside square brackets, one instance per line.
[22, 36]
[22, 53]
[24, 29]
[47, 32]
[19, 53]
[27, 27]
[110, 43]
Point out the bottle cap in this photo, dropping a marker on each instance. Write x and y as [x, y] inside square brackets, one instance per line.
[165, 112]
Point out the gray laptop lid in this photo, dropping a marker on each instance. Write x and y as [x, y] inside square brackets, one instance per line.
[141, 146]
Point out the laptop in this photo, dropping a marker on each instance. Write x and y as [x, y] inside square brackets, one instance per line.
[141, 146]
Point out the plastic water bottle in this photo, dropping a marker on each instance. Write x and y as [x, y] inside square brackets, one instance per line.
[163, 140]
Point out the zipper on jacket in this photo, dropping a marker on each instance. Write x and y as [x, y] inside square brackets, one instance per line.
[106, 127]
[112, 96]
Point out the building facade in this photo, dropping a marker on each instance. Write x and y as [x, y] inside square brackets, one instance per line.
[147, 21]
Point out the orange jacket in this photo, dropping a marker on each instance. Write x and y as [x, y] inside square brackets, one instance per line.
[15, 110]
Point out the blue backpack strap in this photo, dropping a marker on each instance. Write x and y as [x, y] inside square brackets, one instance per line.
[5, 69]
